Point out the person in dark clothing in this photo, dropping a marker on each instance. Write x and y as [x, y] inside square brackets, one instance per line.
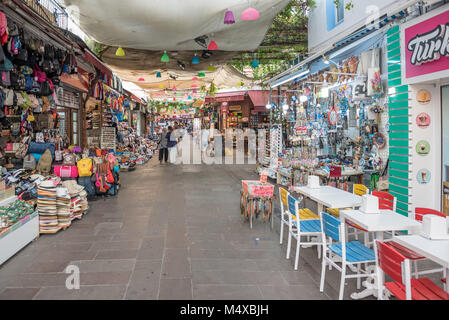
[163, 150]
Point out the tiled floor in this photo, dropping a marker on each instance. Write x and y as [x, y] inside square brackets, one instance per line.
[173, 232]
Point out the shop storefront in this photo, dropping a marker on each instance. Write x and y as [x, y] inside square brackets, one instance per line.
[418, 63]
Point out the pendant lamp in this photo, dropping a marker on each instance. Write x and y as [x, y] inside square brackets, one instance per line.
[212, 46]
[165, 57]
[195, 59]
[194, 86]
[201, 74]
[161, 86]
[211, 68]
[120, 52]
[174, 88]
[141, 80]
[250, 14]
[189, 98]
[195, 79]
[255, 63]
[229, 17]
[158, 75]
[195, 91]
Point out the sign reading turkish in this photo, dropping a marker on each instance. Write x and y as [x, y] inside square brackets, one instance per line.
[425, 49]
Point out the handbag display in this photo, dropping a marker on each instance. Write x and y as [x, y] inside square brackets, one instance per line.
[69, 159]
[22, 151]
[29, 162]
[66, 171]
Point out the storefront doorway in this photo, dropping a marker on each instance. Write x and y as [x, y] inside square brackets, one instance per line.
[445, 146]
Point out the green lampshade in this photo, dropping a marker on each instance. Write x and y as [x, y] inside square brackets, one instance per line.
[120, 52]
[165, 57]
[201, 74]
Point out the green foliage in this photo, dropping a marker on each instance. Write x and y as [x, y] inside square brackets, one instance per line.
[285, 42]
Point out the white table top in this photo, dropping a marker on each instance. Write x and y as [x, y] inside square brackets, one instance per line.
[436, 250]
[331, 197]
[386, 220]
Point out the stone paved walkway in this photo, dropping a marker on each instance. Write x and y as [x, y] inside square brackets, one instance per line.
[173, 232]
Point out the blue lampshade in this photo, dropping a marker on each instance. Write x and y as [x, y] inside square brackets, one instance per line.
[158, 75]
[195, 60]
[255, 63]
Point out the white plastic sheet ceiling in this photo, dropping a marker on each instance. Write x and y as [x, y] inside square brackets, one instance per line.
[173, 24]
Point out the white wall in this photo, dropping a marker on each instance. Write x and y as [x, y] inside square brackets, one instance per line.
[319, 36]
[426, 195]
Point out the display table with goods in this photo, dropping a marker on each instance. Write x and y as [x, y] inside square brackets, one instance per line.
[19, 225]
[256, 199]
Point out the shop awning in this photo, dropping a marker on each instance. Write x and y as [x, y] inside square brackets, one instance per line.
[260, 109]
[227, 96]
[79, 80]
[260, 98]
[90, 57]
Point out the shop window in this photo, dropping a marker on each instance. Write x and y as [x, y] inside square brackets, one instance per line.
[75, 127]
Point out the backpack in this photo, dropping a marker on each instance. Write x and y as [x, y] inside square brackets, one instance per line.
[29, 162]
[84, 167]
[44, 165]
[69, 159]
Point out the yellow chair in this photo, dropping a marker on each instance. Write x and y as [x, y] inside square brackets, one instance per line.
[283, 196]
[359, 189]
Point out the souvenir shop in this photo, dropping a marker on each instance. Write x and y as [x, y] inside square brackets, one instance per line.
[331, 120]
[47, 178]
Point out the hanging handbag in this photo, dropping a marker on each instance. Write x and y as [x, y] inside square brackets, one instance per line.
[22, 151]
[69, 159]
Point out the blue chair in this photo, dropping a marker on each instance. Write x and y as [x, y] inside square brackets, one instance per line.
[302, 228]
[352, 253]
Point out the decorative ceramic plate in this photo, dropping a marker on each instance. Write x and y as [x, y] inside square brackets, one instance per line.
[423, 96]
[423, 120]
[423, 176]
[423, 147]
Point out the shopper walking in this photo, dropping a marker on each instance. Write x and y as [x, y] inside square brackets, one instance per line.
[163, 149]
[171, 145]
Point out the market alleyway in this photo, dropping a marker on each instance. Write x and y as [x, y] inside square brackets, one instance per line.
[173, 232]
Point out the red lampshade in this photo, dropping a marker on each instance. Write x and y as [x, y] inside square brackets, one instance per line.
[212, 46]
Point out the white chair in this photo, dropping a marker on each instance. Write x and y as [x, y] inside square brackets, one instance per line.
[310, 228]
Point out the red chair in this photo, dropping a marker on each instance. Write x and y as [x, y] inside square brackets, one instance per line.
[412, 255]
[397, 267]
[420, 212]
[386, 200]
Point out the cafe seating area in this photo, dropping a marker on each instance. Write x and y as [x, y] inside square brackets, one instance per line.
[361, 235]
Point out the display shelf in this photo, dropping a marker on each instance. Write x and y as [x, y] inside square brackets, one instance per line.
[17, 236]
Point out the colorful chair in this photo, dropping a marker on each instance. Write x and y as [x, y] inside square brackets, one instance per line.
[301, 228]
[397, 267]
[360, 190]
[352, 253]
[386, 201]
[412, 255]
[283, 196]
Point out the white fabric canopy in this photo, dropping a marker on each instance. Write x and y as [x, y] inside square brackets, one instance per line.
[173, 24]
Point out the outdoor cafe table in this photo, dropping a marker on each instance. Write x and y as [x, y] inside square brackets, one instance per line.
[386, 220]
[435, 250]
[330, 197]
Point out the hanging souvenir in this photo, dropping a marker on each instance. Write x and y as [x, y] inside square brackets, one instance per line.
[332, 116]
[379, 140]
